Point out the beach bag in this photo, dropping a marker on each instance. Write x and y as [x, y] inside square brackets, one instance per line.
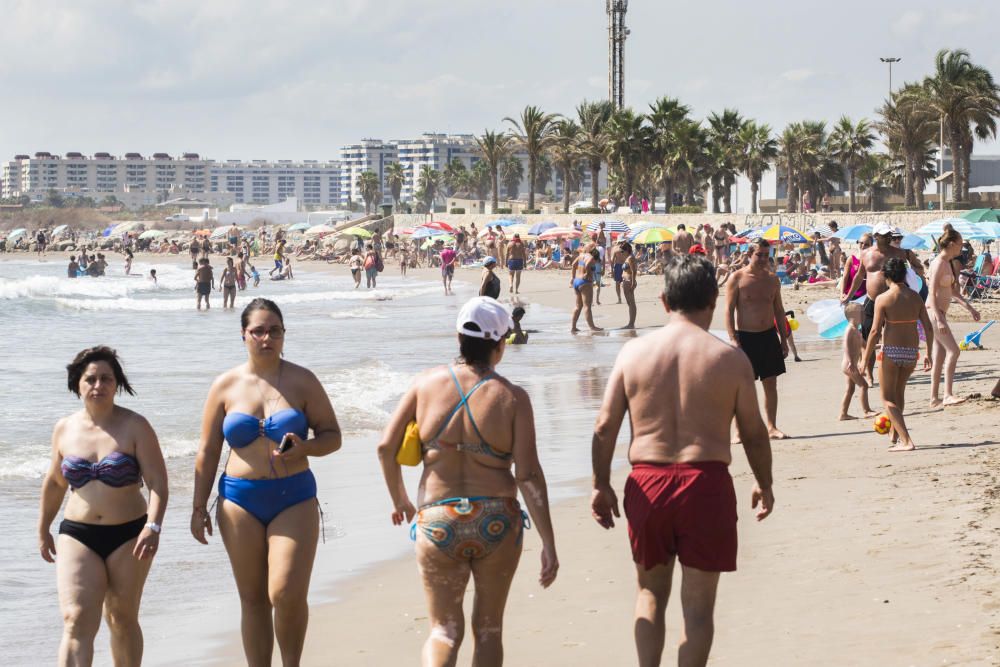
[379, 266]
[410, 451]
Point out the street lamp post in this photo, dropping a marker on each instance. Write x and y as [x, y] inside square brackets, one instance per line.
[890, 62]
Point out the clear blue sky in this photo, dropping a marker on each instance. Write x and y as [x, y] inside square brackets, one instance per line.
[297, 79]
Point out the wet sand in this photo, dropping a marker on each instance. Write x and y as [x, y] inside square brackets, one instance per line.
[870, 558]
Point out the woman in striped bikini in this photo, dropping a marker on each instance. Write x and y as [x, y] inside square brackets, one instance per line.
[897, 311]
[108, 536]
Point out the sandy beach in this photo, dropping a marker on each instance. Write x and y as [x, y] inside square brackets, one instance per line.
[870, 558]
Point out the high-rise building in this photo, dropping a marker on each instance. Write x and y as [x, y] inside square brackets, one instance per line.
[370, 155]
[312, 182]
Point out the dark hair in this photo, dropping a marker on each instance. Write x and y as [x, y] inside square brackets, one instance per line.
[260, 304]
[761, 243]
[689, 283]
[627, 247]
[74, 370]
[834, 226]
[895, 270]
[72, 258]
[476, 351]
[949, 236]
[517, 313]
[681, 226]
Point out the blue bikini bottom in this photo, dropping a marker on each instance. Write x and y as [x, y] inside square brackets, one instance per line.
[267, 498]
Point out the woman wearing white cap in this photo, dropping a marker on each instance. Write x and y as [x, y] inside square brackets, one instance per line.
[473, 424]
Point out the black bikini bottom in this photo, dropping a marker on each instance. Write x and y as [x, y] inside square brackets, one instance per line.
[102, 540]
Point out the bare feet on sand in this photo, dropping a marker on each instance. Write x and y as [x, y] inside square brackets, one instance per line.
[846, 417]
[953, 400]
[775, 434]
[870, 413]
[907, 447]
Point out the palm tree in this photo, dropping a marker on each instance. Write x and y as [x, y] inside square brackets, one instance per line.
[757, 150]
[850, 144]
[909, 126]
[789, 147]
[429, 184]
[534, 133]
[722, 134]
[543, 173]
[874, 176]
[480, 180]
[817, 169]
[495, 147]
[964, 95]
[628, 140]
[455, 177]
[512, 173]
[665, 114]
[688, 156]
[592, 143]
[395, 176]
[370, 189]
[566, 154]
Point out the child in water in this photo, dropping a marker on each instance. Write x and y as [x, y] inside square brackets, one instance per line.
[518, 336]
[853, 365]
[152, 275]
[254, 275]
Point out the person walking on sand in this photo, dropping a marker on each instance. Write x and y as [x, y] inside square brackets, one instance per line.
[268, 514]
[853, 364]
[204, 282]
[617, 265]
[630, 280]
[582, 279]
[679, 498]
[944, 288]
[753, 307]
[897, 311]
[109, 534]
[447, 256]
[489, 283]
[473, 426]
[227, 284]
[517, 256]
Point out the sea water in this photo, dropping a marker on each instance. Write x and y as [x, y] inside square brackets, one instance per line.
[364, 345]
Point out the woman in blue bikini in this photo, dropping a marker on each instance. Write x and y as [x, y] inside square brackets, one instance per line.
[474, 424]
[269, 515]
[582, 279]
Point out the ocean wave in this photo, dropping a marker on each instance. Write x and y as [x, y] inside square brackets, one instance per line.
[361, 395]
[357, 314]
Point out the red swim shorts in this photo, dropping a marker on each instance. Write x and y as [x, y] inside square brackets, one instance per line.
[686, 510]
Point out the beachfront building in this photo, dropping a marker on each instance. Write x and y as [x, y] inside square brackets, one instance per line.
[311, 182]
[369, 155]
[436, 151]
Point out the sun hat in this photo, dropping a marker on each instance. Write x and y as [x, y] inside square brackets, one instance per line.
[490, 318]
[882, 229]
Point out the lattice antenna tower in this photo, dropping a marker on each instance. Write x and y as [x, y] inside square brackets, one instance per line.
[617, 32]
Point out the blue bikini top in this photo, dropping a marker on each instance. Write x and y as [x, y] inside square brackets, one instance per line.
[241, 429]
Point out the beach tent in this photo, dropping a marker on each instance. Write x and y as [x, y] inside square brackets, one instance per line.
[15, 233]
[107, 230]
[59, 230]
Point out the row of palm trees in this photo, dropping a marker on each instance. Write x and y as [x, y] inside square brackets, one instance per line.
[666, 150]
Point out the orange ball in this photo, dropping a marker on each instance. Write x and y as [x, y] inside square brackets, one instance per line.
[882, 424]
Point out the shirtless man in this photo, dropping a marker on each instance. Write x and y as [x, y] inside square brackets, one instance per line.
[617, 265]
[870, 270]
[753, 305]
[227, 284]
[679, 498]
[682, 240]
[204, 282]
[943, 283]
[517, 257]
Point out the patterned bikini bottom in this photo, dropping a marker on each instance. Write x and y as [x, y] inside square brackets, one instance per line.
[471, 528]
[900, 354]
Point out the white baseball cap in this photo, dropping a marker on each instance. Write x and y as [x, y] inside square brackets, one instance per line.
[897, 231]
[882, 229]
[490, 318]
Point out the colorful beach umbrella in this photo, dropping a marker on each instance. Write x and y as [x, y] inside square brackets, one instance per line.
[437, 224]
[610, 226]
[780, 234]
[979, 215]
[652, 235]
[541, 227]
[560, 232]
[853, 232]
[152, 234]
[970, 231]
[360, 232]
[425, 231]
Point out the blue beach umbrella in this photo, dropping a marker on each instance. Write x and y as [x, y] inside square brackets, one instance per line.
[299, 227]
[501, 223]
[107, 231]
[990, 227]
[541, 228]
[970, 231]
[913, 242]
[853, 233]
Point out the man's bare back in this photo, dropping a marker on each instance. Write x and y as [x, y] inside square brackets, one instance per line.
[682, 242]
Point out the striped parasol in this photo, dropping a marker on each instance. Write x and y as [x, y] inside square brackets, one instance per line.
[610, 226]
[969, 230]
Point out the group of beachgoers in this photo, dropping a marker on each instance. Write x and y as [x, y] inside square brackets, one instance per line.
[472, 430]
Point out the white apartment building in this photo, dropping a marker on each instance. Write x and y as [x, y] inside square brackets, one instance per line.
[312, 182]
[435, 151]
[369, 155]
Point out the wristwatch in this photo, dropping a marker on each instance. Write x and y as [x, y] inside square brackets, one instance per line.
[155, 527]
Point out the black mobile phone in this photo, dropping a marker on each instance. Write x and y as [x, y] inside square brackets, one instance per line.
[286, 444]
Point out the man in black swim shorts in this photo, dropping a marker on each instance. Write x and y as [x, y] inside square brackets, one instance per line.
[753, 304]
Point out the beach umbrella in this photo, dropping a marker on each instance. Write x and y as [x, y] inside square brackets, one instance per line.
[750, 233]
[424, 232]
[913, 242]
[560, 232]
[652, 235]
[541, 227]
[128, 226]
[360, 232]
[15, 233]
[59, 230]
[980, 215]
[853, 232]
[320, 230]
[107, 230]
[970, 231]
[823, 229]
[643, 226]
[152, 234]
[446, 239]
[202, 232]
[500, 223]
[521, 229]
[780, 234]
[990, 227]
[299, 227]
[219, 232]
[442, 226]
[610, 226]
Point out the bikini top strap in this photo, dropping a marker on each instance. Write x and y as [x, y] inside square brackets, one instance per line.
[464, 402]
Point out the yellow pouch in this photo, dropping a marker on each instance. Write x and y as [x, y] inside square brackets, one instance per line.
[411, 450]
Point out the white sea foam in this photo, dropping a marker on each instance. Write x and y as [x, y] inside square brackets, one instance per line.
[357, 314]
[362, 395]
